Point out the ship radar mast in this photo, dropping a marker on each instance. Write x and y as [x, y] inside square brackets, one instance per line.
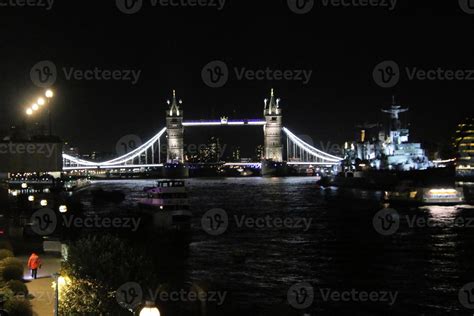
[397, 134]
[395, 110]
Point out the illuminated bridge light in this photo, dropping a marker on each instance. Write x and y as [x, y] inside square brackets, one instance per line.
[227, 122]
[128, 161]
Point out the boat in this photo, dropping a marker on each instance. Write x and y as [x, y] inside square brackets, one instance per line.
[404, 194]
[167, 204]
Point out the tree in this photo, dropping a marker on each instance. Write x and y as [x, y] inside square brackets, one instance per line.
[96, 267]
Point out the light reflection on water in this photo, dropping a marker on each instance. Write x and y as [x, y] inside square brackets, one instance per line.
[341, 250]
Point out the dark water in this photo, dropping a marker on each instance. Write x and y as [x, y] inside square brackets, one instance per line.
[424, 266]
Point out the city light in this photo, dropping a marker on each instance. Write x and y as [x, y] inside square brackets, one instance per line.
[40, 102]
[150, 309]
[44, 203]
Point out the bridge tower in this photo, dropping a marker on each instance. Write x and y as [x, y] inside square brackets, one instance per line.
[175, 130]
[273, 129]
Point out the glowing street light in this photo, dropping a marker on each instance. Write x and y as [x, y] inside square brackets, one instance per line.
[150, 309]
[59, 283]
[48, 95]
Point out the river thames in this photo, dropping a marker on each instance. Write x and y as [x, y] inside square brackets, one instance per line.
[290, 248]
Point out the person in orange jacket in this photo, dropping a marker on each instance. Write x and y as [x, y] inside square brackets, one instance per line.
[34, 263]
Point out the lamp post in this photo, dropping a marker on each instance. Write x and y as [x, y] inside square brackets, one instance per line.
[150, 309]
[40, 102]
[56, 293]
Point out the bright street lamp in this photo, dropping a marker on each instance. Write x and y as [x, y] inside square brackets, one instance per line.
[41, 101]
[49, 94]
[150, 309]
[29, 111]
[35, 107]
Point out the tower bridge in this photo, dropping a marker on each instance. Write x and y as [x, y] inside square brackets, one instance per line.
[281, 146]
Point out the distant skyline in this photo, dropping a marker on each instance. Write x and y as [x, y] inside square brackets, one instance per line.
[168, 48]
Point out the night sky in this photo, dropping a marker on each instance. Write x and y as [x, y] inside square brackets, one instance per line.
[170, 46]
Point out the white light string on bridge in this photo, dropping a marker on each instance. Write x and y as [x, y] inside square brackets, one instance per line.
[120, 160]
[310, 149]
[74, 163]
